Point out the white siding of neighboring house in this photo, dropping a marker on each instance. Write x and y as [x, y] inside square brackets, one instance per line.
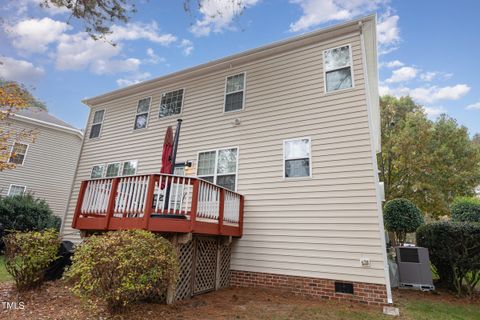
[49, 165]
[317, 227]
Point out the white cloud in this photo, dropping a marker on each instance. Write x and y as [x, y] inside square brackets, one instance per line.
[80, 51]
[218, 15]
[136, 31]
[19, 70]
[186, 46]
[403, 74]
[392, 64]
[34, 35]
[430, 75]
[474, 106]
[136, 78]
[316, 12]
[434, 112]
[430, 94]
[153, 58]
[21, 7]
[387, 30]
[115, 66]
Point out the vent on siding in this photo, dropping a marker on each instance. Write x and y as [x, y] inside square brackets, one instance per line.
[409, 255]
[343, 287]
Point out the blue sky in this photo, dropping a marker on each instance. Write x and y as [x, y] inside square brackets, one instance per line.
[428, 48]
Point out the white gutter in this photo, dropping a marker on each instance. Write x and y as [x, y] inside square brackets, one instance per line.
[375, 166]
[19, 117]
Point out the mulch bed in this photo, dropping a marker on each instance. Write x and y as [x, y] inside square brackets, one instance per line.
[54, 301]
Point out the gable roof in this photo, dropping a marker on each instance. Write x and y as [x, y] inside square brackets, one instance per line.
[40, 116]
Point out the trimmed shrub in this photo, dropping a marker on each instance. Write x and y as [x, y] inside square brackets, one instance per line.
[401, 216]
[121, 267]
[28, 255]
[466, 209]
[25, 213]
[454, 249]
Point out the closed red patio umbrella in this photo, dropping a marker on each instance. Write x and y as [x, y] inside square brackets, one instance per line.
[167, 153]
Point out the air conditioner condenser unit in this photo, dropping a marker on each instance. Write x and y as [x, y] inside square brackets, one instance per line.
[414, 268]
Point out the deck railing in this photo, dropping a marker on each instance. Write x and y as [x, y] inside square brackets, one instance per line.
[158, 202]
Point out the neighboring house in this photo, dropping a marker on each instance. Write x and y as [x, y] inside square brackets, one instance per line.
[292, 127]
[46, 167]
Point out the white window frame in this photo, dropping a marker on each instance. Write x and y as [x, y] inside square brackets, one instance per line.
[95, 123]
[122, 166]
[103, 170]
[140, 113]
[325, 70]
[244, 91]
[120, 172]
[24, 155]
[216, 165]
[16, 185]
[309, 158]
[176, 115]
[119, 169]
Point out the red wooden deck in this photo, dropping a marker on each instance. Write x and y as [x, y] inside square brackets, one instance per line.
[141, 202]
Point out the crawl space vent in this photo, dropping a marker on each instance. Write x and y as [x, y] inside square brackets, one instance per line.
[343, 287]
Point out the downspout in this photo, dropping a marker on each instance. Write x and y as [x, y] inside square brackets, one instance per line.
[375, 168]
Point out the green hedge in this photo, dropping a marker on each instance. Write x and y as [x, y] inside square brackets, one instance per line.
[466, 209]
[25, 213]
[28, 255]
[121, 267]
[454, 249]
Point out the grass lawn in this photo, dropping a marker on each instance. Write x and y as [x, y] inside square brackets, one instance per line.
[4, 275]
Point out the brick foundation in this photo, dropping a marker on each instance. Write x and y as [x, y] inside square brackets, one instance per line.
[367, 293]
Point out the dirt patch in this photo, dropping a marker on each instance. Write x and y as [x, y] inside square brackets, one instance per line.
[54, 301]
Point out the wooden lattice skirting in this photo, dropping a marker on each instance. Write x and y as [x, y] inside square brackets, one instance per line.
[204, 264]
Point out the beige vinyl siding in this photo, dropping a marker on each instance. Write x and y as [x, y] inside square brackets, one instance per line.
[318, 226]
[49, 165]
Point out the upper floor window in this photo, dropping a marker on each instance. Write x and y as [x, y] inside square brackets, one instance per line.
[97, 123]
[15, 190]
[18, 153]
[129, 168]
[171, 103]
[235, 92]
[219, 167]
[338, 68]
[141, 118]
[97, 171]
[297, 158]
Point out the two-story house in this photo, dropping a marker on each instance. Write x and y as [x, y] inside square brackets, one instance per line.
[282, 142]
[46, 167]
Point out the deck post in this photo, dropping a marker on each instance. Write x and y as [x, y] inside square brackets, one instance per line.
[149, 201]
[221, 209]
[193, 214]
[170, 298]
[111, 202]
[78, 208]
[240, 218]
[218, 267]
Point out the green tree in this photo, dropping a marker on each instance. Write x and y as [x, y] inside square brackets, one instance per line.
[426, 162]
[402, 216]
